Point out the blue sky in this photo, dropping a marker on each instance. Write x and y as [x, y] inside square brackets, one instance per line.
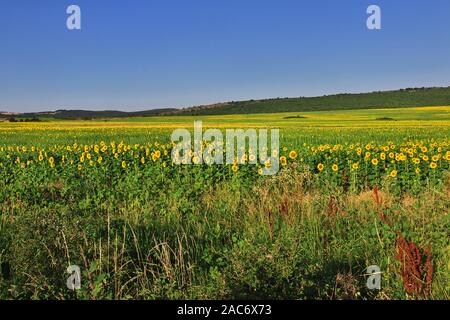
[144, 54]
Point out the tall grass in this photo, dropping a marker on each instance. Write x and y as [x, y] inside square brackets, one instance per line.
[283, 237]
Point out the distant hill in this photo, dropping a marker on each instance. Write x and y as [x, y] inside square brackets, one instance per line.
[410, 97]
[403, 98]
[85, 114]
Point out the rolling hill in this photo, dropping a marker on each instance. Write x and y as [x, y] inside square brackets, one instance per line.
[411, 97]
[403, 98]
[85, 114]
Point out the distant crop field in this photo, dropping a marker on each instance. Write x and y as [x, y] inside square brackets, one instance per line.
[355, 189]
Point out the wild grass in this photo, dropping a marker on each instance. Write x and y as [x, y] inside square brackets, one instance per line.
[287, 237]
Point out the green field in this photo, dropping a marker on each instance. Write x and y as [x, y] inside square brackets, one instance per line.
[356, 188]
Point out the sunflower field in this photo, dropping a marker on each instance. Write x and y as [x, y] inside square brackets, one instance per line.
[108, 198]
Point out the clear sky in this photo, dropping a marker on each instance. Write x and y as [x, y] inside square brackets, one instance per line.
[145, 54]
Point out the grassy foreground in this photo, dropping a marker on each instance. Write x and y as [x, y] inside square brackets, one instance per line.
[105, 197]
